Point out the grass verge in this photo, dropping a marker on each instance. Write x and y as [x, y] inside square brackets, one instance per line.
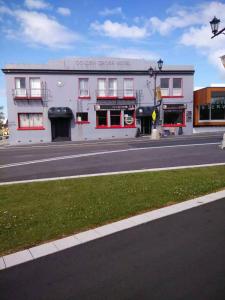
[36, 212]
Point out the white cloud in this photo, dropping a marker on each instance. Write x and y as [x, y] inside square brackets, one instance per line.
[37, 28]
[64, 11]
[36, 4]
[196, 33]
[112, 11]
[132, 53]
[119, 30]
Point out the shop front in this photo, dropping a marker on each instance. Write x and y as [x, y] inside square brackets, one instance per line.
[174, 115]
[144, 119]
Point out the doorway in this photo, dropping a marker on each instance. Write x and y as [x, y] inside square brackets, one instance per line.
[146, 125]
[60, 129]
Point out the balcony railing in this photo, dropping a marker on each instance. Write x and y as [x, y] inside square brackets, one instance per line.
[110, 94]
[28, 94]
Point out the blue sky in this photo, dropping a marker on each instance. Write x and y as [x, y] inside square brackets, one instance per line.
[34, 31]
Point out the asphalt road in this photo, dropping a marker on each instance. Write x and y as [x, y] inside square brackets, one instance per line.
[177, 257]
[36, 161]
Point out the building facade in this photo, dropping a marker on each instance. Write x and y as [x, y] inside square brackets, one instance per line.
[94, 98]
[209, 107]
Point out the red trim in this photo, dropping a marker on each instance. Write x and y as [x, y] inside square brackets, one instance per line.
[129, 97]
[82, 122]
[21, 97]
[173, 97]
[84, 97]
[114, 127]
[107, 97]
[30, 128]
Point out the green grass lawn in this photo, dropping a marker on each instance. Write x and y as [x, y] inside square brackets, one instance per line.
[36, 212]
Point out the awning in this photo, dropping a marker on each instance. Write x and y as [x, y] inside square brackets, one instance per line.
[144, 111]
[60, 112]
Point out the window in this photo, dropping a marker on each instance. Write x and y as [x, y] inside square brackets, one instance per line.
[115, 117]
[174, 117]
[177, 87]
[112, 87]
[128, 86]
[164, 85]
[35, 87]
[20, 90]
[101, 118]
[217, 112]
[82, 117]
[83, 88]
[30, 120]
[102, 87]
[204, 112]
[129, 118]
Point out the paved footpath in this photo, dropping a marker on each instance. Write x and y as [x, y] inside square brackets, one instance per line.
[176, 257]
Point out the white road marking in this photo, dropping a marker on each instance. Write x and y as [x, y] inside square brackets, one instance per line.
[112, 173]
[95, 154]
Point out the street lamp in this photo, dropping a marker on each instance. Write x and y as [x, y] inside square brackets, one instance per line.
[153, 73]
[215, 27]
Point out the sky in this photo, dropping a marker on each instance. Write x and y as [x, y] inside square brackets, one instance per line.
[35, 31]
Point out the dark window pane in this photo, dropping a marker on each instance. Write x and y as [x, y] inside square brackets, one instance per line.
[177, 83]
[204, 112]
[218, 97]
[164, 83]
[82, 116]
[217, 112]
[173, 116]
[101, 118]
[115, 117]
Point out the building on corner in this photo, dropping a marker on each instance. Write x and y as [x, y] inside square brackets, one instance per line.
[94, 98]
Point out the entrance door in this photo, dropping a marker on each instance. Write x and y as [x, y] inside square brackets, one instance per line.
[60, 129]
[146, 125]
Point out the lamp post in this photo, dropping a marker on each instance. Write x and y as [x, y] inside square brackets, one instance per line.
[215, 27]
[153, 73]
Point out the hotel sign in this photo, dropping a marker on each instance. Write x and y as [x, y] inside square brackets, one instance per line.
[114, 107]
[98, 64]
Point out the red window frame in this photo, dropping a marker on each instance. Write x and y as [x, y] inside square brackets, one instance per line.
[29, 128]
[102, 126]
[133, 125]
[116, 126]
[82, 121]
[176, 125]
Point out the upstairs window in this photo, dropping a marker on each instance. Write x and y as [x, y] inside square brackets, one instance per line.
[164, 85]
[128, 86]
[177, 86]
[20, 90]
[112, 87]
[102, 87]
[35, 87]
[30, 120]
[83, 88]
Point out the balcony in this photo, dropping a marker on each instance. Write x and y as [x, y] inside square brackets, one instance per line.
[110, 94]
[28, 94]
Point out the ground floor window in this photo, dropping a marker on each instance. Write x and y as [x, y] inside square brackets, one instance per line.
[115, 118]
[129, 118]
[101, 118]
[174, 117]
[30, 121]
[82, 117]
[208, 112]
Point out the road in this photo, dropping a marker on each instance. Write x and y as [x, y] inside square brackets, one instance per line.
[68, 159]
[177, 257]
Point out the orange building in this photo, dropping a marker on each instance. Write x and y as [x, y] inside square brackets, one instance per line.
[209, 107]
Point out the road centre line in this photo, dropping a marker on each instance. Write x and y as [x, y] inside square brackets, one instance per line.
[95, 154]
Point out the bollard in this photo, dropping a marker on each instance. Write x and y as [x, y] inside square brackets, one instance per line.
[222, 146]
